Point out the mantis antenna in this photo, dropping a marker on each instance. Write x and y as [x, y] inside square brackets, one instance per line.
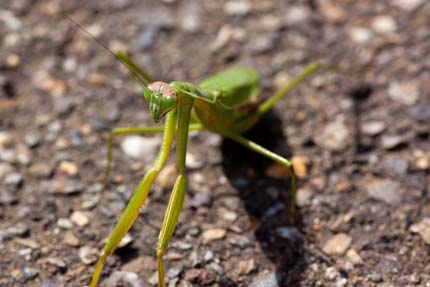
[137, 73]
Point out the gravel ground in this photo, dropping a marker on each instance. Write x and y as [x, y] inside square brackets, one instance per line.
[359, 141]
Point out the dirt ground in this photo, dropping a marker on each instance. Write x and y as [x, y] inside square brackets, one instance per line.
[359, 139]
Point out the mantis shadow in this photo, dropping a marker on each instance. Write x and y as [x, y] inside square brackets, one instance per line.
[267, 200]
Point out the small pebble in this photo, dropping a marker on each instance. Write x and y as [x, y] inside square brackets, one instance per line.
[5, 169]
[384, 190]
[270, 280]
[79, 218]
[245, 267]
[224, 36]
[56, 262]
[13, 179]
[373, 128]
[396, 165]
[423, 229]
[167, 177]
[20, 229]
[405, 92]
[354, 257]
[40, 170]
[360, 35]
[277, 171]
[291, 233]
[299, 164]
[390, 142]
[88, 255]
[384, 24]
[28, 274]
[375, 277]
[273, 210]
[239, 241]
[125, 241]
[213, 234]
[209, 256]
[65, 187]
[181, 245]
[146, 39]
[173, 272]
[12, 61]
[421, 112]
[335, 135]
[331, 273]
[227, 214]
[64, 223]
[201, 277]
[297, 14]
[172, 256]
[237, 8]
[331, 11]
[124, 277]
[337, 244]
[422, 159]
[304, 196]
[27, 243]
[408, 5]
[10, 21]
[192, 161]
[191, 19]
[70, 239]
[262, 44]
[200, 199]
[341, 282]
[32, 140]
[140, 147]
[69, 168]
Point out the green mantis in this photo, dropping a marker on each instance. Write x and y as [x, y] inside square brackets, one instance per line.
[219, 104]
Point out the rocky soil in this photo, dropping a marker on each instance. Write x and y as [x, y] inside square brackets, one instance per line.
[358, 138]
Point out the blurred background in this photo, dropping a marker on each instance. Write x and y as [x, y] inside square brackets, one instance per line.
[359, 141]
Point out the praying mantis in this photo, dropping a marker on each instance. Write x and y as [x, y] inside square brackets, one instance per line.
[221, 104]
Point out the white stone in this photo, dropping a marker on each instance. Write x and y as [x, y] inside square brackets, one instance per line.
[384, 24]
[140, 147]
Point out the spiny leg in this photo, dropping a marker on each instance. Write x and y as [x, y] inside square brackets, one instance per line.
[137, 130]
[273, 156]
[177, 196]
[307, 72]
[131, 212]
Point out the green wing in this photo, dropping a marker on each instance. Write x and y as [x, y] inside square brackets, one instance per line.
[233, 86]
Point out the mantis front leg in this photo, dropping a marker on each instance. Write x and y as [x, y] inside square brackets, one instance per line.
[131, 212]
[177, 197]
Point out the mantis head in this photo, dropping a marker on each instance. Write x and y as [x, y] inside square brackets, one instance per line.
[161, 98]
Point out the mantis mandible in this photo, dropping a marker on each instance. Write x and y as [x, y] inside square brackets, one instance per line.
[217, 104]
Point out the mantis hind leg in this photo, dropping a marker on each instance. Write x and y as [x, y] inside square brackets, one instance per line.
[133, 131]
[307, 72]
[131, 212]
[273, 156]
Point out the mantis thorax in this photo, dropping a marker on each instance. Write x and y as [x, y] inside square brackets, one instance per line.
[161, 98]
